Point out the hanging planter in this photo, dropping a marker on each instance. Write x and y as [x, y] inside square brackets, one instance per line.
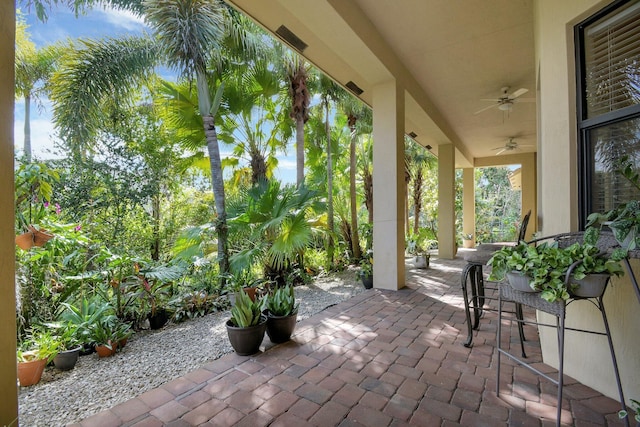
[33, 237]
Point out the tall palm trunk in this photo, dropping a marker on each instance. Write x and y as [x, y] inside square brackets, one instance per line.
[368, 193]
[155, 243]
[217, 182]
[330, 222]
[417, 200]
[299, 151]
[355, 238]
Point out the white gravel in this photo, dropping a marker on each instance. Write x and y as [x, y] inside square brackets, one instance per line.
[153, 358]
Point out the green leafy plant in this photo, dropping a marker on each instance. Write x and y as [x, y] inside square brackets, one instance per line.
[366, 264]
[547, 266]
[635, 406]
[86, 314]
[245, 312]
[282, 301]
[40, 344]
[196, 304]
[624, 220]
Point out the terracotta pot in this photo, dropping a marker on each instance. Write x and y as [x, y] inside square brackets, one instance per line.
[251, 292]
[33, 237]
[29, 373]
[280, 328]
[246, 341]
[106, 351]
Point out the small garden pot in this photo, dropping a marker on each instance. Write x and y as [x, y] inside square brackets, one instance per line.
[246, 341]
[520, 282]
[422, 261]
[159, 319]
[280, 328]
[66, 360]
[106, 351]
[29, 373]
[367, 281]
[592, 286]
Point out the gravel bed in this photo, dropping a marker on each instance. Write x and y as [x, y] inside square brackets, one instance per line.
[152, 358]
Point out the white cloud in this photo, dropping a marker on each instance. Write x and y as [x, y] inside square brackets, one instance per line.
[122, 19]
[286, 163]
[42, 138]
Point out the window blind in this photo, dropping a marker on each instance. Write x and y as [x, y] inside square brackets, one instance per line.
[612, 61]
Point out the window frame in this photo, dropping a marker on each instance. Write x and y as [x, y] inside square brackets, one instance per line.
[586, 125]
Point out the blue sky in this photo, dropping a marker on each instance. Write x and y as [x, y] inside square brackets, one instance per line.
[99, 23]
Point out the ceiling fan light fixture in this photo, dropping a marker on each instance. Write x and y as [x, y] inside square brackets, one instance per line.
[505, 106]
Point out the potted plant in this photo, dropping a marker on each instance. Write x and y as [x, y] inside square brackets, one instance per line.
[467, 240]
[558, 273]
[247, 325]
[83, 316]
[69, 349]
[624, 220]
[33, 355]
[366, 270]
[282, 313]
[516, 264]
[635, 406]
[419, 244]
[103, 335]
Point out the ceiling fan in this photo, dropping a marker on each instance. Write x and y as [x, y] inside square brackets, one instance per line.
[506, 100]
[510, 145]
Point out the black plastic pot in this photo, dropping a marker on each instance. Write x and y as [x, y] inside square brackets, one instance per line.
[246, 341]
[280, 328]
[159, 319]
[66, 360]
[367, 281]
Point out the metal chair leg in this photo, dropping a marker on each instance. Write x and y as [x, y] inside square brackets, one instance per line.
[613, 358]
[465, 275]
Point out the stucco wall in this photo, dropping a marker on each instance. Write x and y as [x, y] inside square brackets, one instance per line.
[587, 357]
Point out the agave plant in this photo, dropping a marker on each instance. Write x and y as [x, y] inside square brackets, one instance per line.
[245, 312]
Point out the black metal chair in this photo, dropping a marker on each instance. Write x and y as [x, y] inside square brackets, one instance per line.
[472, 275]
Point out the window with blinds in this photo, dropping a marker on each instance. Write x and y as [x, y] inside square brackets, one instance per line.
[612, 61]
[608, 51]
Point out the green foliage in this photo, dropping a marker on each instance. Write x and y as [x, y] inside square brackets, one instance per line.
[282, 301]
[39, 344]
[196, 304]
[245, 312]
[498, 210]
[277, 224]
[85, 315]
[547, 266]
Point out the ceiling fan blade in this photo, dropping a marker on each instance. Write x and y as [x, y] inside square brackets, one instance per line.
[485, 109]
[518, 93]
[491, 99]
[501, 151]
[519, 100]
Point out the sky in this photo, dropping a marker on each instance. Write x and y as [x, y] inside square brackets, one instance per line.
[99, 23]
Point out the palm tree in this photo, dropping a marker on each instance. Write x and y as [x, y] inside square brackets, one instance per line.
[329, 92]
[417, 159]
[33, 66]
[190, 35]
[354, 109]
[297, 72]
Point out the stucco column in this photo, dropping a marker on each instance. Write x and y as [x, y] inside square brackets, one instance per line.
[8, 388]
[469, 204]
[388, 186]
[446, 202]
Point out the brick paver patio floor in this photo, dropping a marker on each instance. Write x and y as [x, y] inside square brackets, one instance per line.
[382, 358]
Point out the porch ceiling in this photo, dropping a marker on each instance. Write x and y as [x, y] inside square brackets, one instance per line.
[449, 55]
